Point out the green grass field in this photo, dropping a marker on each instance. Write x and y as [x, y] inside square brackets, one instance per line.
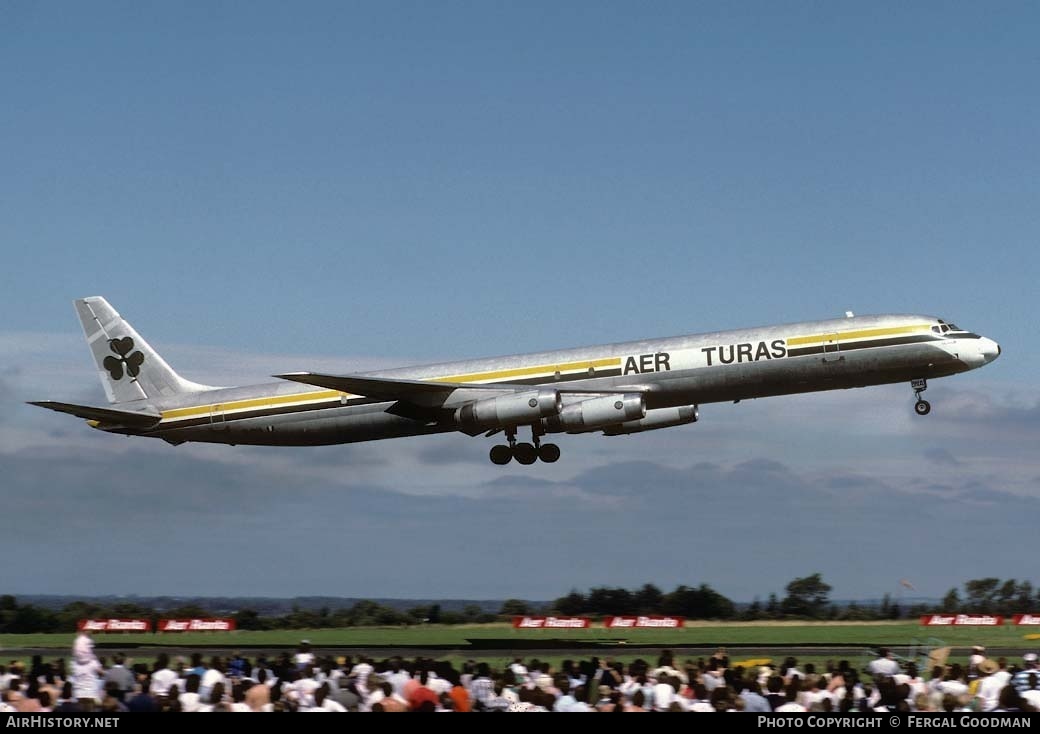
[697, 634]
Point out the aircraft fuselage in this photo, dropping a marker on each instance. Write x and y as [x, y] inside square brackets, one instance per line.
[670, 372]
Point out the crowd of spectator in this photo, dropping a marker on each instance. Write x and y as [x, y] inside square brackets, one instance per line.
[311, 683]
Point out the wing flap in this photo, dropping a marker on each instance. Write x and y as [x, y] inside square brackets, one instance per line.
[130, 419]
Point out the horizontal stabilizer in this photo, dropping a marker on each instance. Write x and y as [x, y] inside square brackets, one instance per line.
[130, 419]
[391, 389]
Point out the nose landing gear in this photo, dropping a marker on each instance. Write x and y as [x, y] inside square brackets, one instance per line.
[922, 406]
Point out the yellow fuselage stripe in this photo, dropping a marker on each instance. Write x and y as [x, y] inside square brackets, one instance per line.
[308, 397]
[861, 334]
[522, 371]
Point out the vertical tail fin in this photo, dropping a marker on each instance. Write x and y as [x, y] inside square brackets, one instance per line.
[129, 368]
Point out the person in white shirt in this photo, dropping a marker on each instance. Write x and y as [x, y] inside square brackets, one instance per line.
[163, 677]
[6, 678]
[397, 676]
[213, 675]
[189, 700]
[83, 647]
[436, 684]
[519, 670]
[885, 665]
[361, 671]
[664, 694]
[990, 684]
[86, 682]
[303, 691]
[791, 703]
[304, 658]
[913, 680]
[978, 654]
[953, 683]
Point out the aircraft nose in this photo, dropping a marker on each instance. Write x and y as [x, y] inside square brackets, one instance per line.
[990, 349]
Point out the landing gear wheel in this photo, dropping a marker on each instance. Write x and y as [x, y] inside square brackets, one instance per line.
[549, 452]
[501, 455]
[922, 406]
[525, 453]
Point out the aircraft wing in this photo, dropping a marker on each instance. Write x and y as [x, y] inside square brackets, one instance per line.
[373, 387]
[130, 419]
[394, 389]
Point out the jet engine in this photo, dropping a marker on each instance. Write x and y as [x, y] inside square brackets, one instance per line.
[657, 418]
[518, 409]
[596, 413]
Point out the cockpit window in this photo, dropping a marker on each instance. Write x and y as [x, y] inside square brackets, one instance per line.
[945, 327]
[954, 331]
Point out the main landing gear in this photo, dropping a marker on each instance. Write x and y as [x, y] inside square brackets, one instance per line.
[524, 453]
[922, 406]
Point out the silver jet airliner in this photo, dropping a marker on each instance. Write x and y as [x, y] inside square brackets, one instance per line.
[615, 388]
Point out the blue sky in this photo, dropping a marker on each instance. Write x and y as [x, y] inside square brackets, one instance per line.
[261, 187]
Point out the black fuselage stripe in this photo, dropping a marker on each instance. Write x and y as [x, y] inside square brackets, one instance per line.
[840, 347]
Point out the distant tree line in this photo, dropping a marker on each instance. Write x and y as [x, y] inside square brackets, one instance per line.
[993, 596]
[805, 598]
[701, 602]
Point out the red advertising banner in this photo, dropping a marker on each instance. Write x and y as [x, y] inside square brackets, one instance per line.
[196, 625]
[540, 623]
[1026, 619]
[646, 622]
[962, 620]
[114, 625]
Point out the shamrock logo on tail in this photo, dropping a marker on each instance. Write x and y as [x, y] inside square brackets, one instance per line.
[131, 362]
